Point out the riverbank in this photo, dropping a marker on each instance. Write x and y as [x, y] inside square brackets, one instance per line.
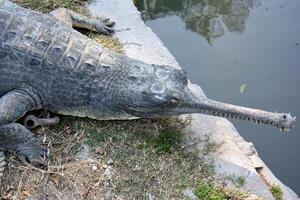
[141, 158]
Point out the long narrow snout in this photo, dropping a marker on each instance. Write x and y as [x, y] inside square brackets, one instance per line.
[196, 102]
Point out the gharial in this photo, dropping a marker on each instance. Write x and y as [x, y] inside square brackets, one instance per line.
[46, 64]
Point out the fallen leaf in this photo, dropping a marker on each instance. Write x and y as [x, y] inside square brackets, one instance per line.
[242, 88]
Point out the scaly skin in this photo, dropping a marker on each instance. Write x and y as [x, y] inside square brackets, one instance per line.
[44, 63]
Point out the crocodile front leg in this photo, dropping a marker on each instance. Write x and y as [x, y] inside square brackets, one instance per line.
[77, 20]
[15, 137]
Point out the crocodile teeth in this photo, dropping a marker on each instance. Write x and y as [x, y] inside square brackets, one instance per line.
[284, 129]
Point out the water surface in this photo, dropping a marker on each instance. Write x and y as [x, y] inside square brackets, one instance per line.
[225, 44]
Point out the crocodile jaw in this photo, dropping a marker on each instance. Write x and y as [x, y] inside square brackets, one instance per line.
[196, 102]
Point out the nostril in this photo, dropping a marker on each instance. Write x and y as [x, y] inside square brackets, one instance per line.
[284, 116]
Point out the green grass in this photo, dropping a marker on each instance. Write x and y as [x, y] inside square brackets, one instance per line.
[165, 141]
[49, 5]
[210, 191]
[238, 181]
[148, 156]
[277, 192]
[135, 2]
[206, 191]
[94, 137]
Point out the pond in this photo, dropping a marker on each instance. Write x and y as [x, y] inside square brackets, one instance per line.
[245, 52]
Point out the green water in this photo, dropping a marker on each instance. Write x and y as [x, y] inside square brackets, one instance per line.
[225, 44]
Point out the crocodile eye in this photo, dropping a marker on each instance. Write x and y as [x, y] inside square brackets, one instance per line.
[175, 99]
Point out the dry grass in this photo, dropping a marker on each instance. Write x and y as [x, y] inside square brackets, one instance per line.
[95, 160]
[100, 160]
[108, 42]
[74, 180]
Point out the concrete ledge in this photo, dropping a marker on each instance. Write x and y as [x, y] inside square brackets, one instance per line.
[234, 156]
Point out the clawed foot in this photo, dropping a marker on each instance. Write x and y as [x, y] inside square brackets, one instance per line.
[104, 26]
[76, 20]
[33, 153]
[31, 150]
[16, 138]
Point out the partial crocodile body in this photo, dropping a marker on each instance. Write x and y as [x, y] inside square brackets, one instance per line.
[46, 64]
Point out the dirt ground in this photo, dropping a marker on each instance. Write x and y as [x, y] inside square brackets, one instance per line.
[108, 160]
